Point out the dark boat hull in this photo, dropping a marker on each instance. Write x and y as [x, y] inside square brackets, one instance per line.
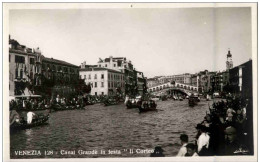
[35, 123]
[62, 108]
[147, 109]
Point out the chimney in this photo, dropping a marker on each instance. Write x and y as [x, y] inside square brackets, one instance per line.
[111, 58]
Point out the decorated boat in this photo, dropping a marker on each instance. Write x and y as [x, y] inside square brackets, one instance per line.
[147, 106]
[133, 102]
[18, 122]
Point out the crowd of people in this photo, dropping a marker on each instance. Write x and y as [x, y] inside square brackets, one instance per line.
[223, 131]
[35, 103]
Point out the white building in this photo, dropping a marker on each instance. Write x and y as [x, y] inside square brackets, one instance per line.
[104, 81]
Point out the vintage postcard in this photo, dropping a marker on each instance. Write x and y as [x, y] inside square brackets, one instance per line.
[130, 81]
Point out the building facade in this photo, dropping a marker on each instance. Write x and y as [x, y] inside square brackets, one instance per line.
[24, 68]
[103, 81]
[29, 68]
[59, 72]
[240, 80]
[141, 83]
[124, 66]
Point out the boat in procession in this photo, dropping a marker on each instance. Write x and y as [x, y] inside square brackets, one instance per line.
[193, 100]
[27, 111]
[133, 102]
[111, 101]
[60, 104]
[142, 104]
[148, 105]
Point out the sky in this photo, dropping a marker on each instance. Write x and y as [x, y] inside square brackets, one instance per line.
[158, 41]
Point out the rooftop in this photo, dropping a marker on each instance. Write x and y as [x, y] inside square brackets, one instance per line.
[52, 60]
[100, 69]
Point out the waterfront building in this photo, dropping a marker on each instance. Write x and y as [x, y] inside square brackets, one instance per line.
[240, 80]
[194, 80]
[104, 81]
[32, 73]
[217, 82]
[24, 67]
[151, 82]
[59, 72]
[141, 83]
[124, 66]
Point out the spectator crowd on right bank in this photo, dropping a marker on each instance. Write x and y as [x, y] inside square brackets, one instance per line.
[223, 132]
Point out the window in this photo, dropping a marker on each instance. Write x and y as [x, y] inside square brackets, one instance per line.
[102, 76]
[53, 67]
[16, 73]
[84, 76]
[95, 84]
[65, 69]
[108, 76]
[31, 60]
[96, 93]
[102, 93]
[105, 65]
[89, 76]
[95, 76]
[114, 65]
[9, 58]
[21, 73]
[102, 84]
[108, 84]
[19, 59]
[99, 65]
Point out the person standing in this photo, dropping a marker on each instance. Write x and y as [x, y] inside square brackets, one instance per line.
[203, 141]
[184, 141]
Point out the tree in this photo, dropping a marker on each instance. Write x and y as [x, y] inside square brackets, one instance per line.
[82, 87]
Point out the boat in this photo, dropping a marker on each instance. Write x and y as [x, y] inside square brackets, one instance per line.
[20, 123]
[147, 106]
[19, 112]
[133, 102]
[110, 102]
[193, 100]
[58, 107]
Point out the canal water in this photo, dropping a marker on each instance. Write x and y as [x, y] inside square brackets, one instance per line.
[113, 129]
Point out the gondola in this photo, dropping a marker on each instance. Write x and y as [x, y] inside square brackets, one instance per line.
[147, 106]
[22, 124]
[58, 107]
[130, 104]
[109, 103]
[193, 100]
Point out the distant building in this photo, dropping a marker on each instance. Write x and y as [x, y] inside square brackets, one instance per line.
[124, 66]
[141, 83]
[103, 81]
[229, 62]
[151, 82]
[181, 78]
